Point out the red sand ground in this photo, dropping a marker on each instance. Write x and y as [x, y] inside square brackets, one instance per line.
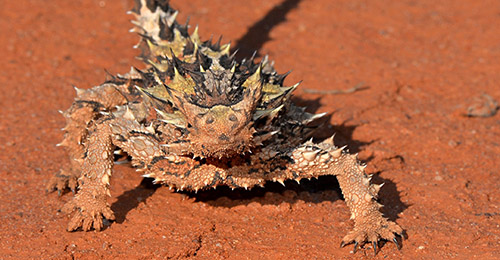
[425, 63]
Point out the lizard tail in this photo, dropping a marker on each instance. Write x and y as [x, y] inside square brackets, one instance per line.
[161, 34]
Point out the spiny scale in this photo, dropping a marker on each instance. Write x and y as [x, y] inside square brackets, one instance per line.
[203, 86]
[196, 118]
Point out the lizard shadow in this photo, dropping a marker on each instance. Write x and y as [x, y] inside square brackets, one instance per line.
[130, 199]
[259, 33]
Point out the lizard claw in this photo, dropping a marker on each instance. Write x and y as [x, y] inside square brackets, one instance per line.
[356, 244]
[396, 242]
[386, 230]
[88, 211]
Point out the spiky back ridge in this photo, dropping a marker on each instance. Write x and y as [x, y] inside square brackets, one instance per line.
[223, 106]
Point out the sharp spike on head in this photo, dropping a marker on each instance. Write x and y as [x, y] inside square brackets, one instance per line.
[264, 60]
[195, 51]
[176, 72]
[258, 71]
[225, 49]
[234, 54]
[281, 78]
[172, 18]
[253, 56]
[269, 112]
[128, 114]
[316, 116]
[195, 37]
[295, 86]
[150, 129]
[217, 44]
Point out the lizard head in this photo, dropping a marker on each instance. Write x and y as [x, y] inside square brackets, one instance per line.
[215, 107]
[218, 104]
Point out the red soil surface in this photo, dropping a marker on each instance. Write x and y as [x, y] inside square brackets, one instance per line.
[424, 63]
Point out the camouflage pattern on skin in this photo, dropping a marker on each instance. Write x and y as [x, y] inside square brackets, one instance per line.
[197, 118]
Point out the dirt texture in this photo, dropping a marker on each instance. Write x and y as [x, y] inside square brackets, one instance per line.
[423, 117]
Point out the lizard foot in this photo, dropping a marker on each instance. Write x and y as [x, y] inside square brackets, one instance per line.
[361, 234]
[62, 180]
[89, 211]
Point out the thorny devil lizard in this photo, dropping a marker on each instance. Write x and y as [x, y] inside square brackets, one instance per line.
[197, 118]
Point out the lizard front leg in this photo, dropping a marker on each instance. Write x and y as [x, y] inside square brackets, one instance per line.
[90, 203]
[85, 109]
[314, 160]
[360, 195]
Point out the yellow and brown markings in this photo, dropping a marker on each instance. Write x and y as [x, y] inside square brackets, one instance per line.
[197, 118]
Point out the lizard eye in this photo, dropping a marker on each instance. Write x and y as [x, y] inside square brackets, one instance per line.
[209, 120]
[233, 118]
